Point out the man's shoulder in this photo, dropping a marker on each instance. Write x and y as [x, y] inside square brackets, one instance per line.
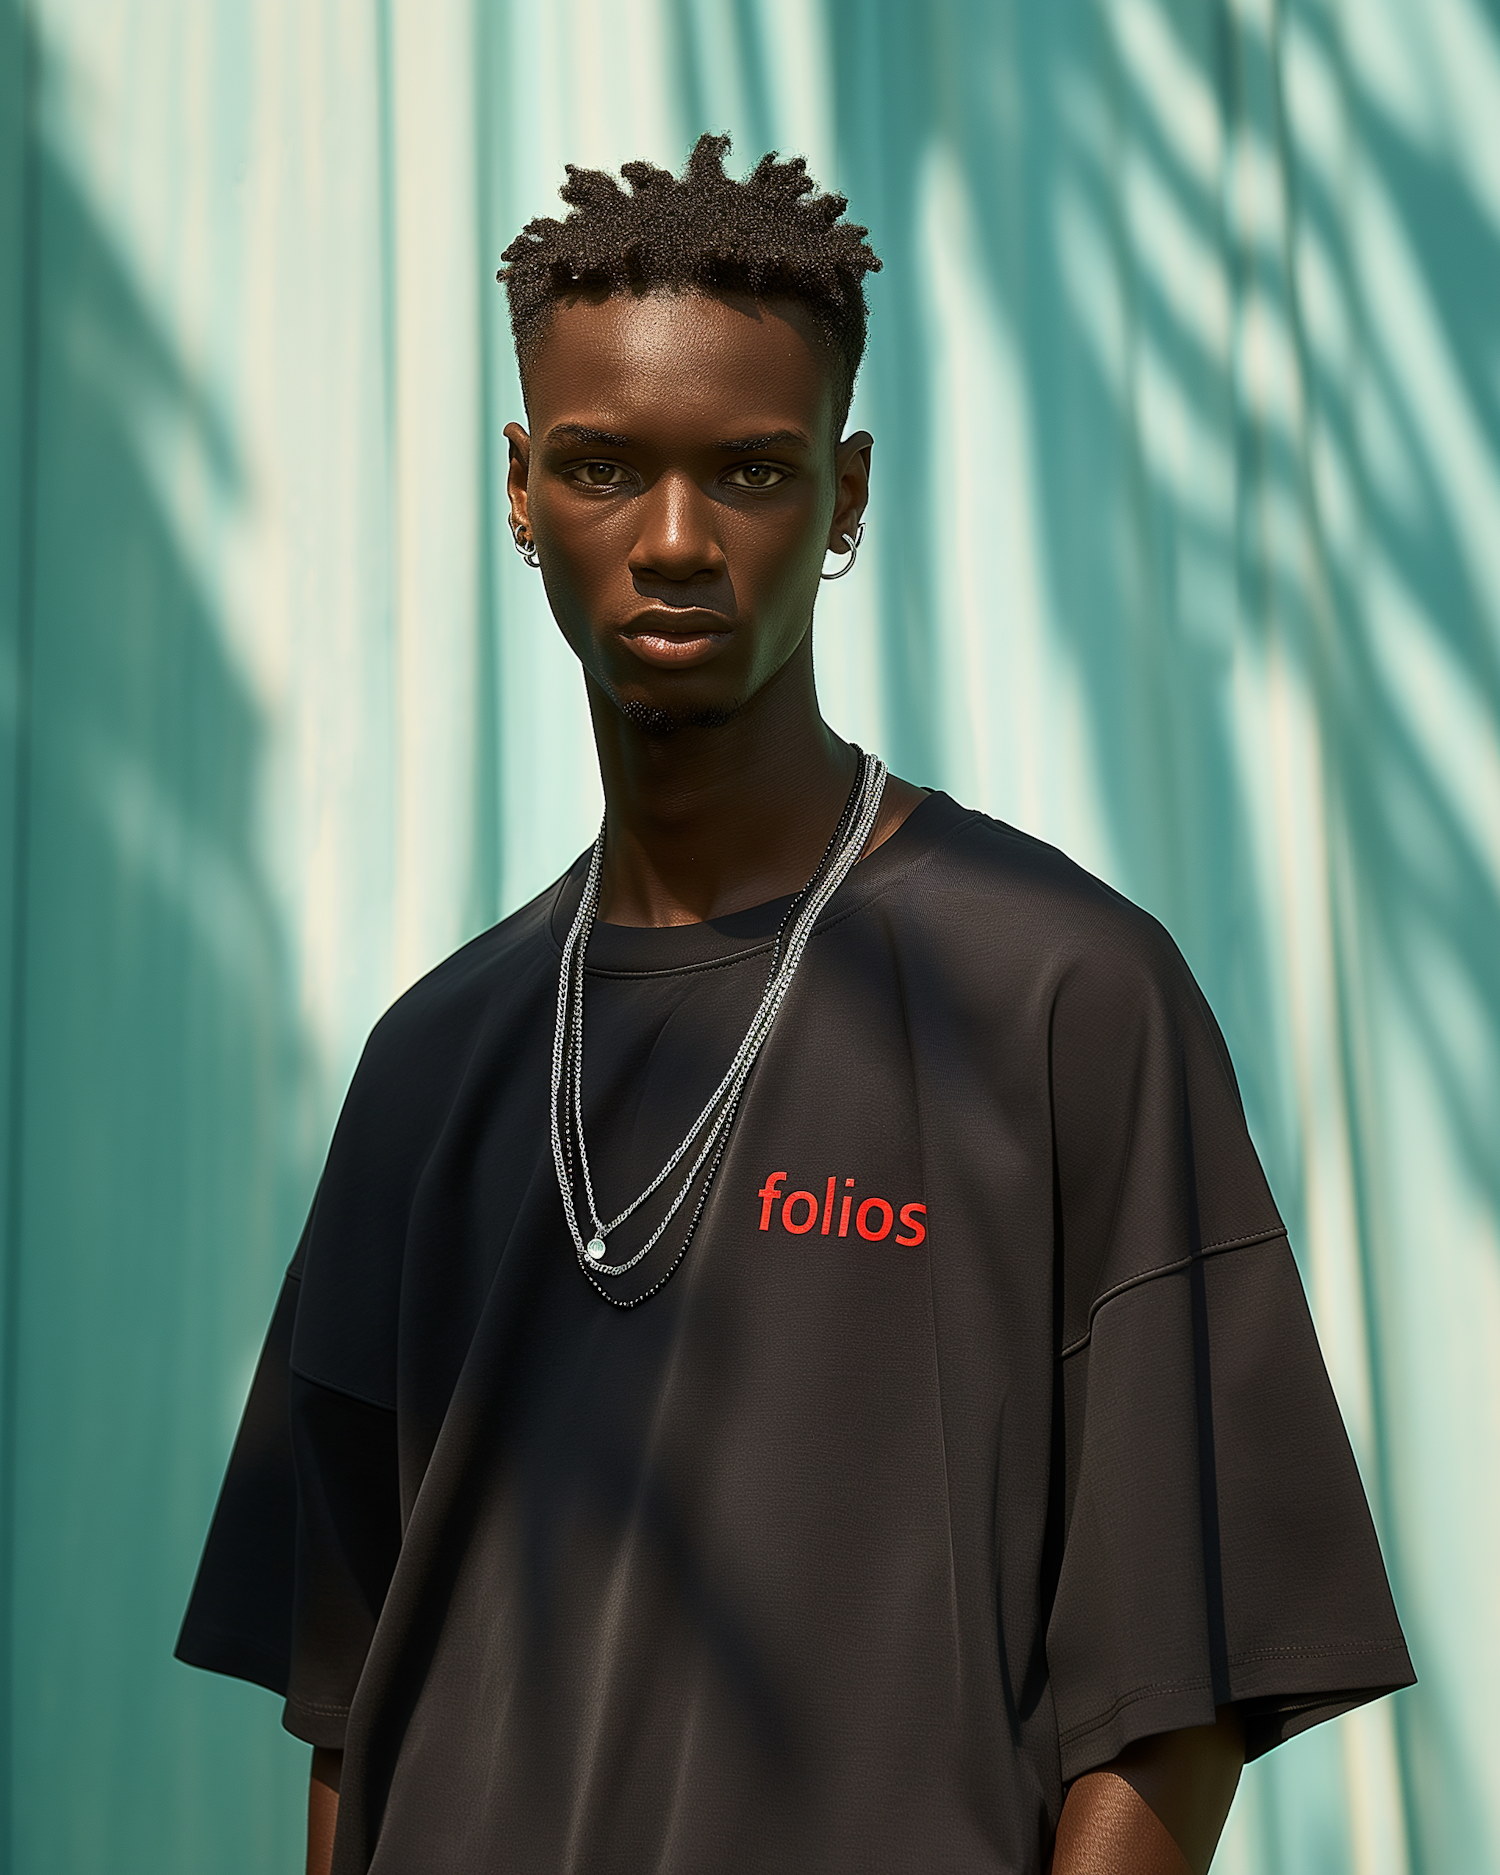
[1017, 933]
[985, 887]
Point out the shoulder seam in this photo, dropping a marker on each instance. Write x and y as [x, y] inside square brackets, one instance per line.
[331, 1386]
[1269, 1235]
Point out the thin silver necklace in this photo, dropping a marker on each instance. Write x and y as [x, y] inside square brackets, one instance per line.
[710, 1131]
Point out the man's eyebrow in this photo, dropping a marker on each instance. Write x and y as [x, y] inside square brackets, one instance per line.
[581, 433]
[773, 439]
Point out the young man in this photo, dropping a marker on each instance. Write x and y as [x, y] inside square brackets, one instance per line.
[848, 1405]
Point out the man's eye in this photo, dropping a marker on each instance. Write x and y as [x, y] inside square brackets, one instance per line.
[756, 475]
[600, 475]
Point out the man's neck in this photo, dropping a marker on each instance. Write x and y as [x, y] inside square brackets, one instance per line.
[706, 821]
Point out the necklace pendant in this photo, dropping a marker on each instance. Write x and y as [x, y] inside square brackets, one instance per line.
[594, 1250]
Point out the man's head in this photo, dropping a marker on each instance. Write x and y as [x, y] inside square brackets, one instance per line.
[687, 356]
[770, 237]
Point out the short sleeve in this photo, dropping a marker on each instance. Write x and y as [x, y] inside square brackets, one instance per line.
[303, 1542]
[239, 1618]
[1218, 1548]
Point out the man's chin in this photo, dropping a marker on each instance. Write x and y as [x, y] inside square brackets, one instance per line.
[655, 720]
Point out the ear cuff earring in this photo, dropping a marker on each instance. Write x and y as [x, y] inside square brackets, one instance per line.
[524, 544]
[852, 549]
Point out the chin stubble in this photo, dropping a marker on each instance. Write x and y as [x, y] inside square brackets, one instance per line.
[657, 722]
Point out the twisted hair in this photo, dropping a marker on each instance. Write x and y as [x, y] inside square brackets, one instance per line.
[772, 236]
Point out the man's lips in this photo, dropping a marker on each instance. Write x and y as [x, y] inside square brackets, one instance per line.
[676, 638]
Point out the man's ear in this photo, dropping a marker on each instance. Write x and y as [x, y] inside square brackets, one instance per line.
[516, 475]
[852, 463]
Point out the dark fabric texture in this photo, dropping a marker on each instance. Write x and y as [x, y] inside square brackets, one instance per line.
[982, 1430]
[239, 1620]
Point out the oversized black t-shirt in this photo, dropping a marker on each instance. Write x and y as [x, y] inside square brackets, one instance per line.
[981, 1430]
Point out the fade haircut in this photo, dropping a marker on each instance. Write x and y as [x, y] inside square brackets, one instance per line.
[772, 236]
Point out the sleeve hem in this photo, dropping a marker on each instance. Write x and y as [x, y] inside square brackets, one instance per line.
[1285, 1690]
[1256, 1663]
[1272, 1723]
[238, 1656]
[1168, 1707]
[316, 1724]
[1289, 1690]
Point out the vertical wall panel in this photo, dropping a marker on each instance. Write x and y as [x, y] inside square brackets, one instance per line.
[159, 1032]
[17, 282]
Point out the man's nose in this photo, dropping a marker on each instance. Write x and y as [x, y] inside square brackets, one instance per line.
[678, 537]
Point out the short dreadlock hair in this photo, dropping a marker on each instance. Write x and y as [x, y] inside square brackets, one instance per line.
[772, 236]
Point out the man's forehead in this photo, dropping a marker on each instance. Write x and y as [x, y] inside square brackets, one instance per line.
[757, 366]
[683, 313]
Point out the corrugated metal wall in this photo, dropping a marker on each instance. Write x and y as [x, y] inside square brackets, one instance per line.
[1185, 552]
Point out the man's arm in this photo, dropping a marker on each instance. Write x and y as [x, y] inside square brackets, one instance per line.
[1157, 1809]
[322, 1809]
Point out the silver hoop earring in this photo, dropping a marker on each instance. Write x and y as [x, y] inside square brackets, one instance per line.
[524, 544]
[851, 550]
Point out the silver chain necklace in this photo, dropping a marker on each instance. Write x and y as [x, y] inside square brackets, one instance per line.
[710, 1131]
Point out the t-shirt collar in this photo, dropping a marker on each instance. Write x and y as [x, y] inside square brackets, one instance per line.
[649, 950]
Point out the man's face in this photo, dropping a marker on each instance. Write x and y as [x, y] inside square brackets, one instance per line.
[683, 482]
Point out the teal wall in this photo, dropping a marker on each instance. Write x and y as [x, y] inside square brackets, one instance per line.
[1184, 552]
